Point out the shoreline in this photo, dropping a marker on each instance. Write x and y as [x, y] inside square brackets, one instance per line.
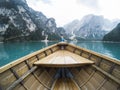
[100, 41]
[59, 41]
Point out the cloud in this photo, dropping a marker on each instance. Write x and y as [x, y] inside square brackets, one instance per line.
[46, 1]
[110, 8]
[89, 3]
[64, 11]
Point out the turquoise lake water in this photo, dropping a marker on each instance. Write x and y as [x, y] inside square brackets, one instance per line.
[12, 51]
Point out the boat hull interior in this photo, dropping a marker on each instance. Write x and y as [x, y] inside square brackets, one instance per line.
[24, 74]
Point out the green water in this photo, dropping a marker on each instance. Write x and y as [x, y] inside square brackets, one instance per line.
[12, 51]
[110, 49]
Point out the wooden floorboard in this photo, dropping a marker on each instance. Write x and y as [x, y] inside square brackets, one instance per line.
[65, 84]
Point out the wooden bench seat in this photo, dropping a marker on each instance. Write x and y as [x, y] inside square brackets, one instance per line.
[63, 58]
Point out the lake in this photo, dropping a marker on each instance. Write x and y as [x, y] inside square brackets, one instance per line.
[12, 51]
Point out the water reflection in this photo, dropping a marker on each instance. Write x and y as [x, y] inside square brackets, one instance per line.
[113, 48]
[3, 54]
[109, 49]
[13, 51]
[46, 44]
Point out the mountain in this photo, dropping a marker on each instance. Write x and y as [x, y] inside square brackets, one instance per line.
[90, 27]
[72, 26]
[114, 35]
[18, 22]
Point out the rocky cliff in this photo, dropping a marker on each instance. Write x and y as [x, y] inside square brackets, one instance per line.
[18, 22]
[90, 27]
[114, 35]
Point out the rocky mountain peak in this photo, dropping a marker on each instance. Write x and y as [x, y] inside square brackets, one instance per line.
[90, 27]
[20, 22]
[51, 22]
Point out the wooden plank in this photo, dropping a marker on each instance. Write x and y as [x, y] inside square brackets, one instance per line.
[77, 51]
[6, 79]
[55, 58]
[21, 78]
[53, 85]
[75, 84]
[77, 58]
[63, 58]
[20, 69]
[88, 79]
[106, 65]
[85, 54]
[109, 85]
[55, 48]
[19, 87]
[36, 77]
[48, 59]
[116, 72]
[107, 74]
[69, 48]
[41, 55]
[52, 73]
[28, 81]
[97, 79]
[59, 58]
[41, 82]
[32, 60]
[101, 85]
[82, 77]
[34, 85]
[65, 84]
[48, 52]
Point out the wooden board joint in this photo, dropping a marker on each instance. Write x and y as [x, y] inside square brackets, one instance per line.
[112, 68]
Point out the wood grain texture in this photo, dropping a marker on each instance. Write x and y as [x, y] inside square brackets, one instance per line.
[63, 58]
[65, 84]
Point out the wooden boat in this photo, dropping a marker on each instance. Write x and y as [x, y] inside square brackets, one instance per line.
[61, 67]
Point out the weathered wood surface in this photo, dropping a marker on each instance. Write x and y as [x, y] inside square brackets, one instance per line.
[65, 84]
[63, 58]
[89, 78]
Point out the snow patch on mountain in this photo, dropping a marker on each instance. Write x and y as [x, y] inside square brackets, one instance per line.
[90, 27]
[5, 12]
[18, 22]
[3, 28]
[21, 9]
[31, 26]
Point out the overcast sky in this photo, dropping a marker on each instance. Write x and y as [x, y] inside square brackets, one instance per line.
[65, 11]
